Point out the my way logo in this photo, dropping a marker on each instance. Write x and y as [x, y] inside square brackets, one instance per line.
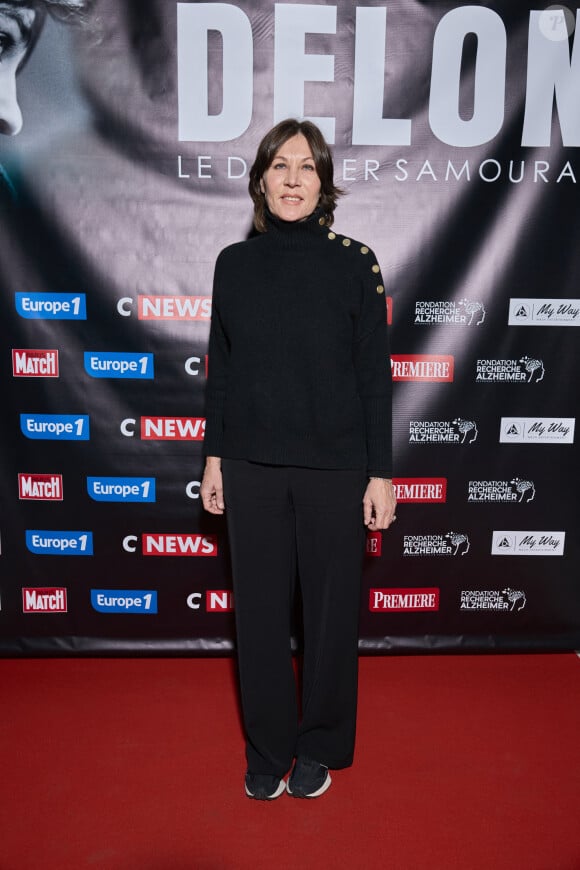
[55, 427]
[544, 312]
[167, 307]
[165, 428]
[122, 489]
[457, 431]
[46, 599]
[450, 544]
[423, 368]
[525, 370]
[57, 543]
[51, 306]
[28, 363]
[403, 600]
[516, 490]
[124, 600]
[537, 430]
[420, 490]
[527, 543]
[466, 312]
[172, 544]
[40, 487]
[492, 599]
[119, 365]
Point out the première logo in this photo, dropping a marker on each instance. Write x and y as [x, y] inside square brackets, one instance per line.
[420, 490]
[423, 368]
[403, 600]
[44, 599]
[34, 363]
[40, 487]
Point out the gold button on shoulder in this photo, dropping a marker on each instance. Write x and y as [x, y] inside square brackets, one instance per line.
[321, 221]
[332, 235]
[364, 250]
[376, 269]
[346, 242]
[380, 289]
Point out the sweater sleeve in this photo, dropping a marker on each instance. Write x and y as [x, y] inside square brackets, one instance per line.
[373, 370]
[218, 365]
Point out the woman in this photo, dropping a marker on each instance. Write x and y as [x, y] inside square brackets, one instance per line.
[298, 434]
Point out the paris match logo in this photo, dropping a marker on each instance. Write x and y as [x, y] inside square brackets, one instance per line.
[28, 363]
[40, 487]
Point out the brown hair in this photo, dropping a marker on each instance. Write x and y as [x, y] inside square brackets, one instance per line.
[267, 150]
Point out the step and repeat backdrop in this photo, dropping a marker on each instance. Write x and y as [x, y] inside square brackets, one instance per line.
[456, 134]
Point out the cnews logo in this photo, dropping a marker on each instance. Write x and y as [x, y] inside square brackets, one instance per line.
[166, 428]
[51, 306]
[124, 600]
[167, 307]
[121, 488]
[422, 368]
[172, 544]
[40, 487]
[48, 599]
[119, 365]
[55, 427]
[403, 600]
[420, 490]
[49, 543]
[28, 363]
[216, 600]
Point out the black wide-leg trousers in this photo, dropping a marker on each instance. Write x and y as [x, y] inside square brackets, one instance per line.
[286, 522]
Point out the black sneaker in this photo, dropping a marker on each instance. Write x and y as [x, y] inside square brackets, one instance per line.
[309, 779]
[263, 786]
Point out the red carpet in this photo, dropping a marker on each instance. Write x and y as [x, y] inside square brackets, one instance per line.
[468, 762]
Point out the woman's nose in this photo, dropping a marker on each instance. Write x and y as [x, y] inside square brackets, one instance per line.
[10, 114]
[292, 176]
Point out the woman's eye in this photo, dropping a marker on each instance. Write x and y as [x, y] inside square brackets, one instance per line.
[6, 43]
[279, 165]
[309, 166]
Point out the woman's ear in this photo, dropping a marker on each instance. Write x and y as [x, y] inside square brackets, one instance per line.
[262, 188]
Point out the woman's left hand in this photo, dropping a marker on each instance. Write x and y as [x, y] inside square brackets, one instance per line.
[379, 503]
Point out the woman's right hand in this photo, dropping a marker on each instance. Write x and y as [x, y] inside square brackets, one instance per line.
[212, 489]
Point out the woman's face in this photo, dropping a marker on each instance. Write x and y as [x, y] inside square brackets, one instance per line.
[291, 183]
[16, 22]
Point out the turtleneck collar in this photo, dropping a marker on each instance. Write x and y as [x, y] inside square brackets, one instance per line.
[293, 233]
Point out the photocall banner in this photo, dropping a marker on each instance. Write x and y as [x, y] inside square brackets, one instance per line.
[456, 133]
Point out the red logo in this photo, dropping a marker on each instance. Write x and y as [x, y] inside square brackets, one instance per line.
[374, 543]
[403, 600]
[174, 308]
[40, 487]
[35, 363]
[219, 600]
[421, 367]
[44, 600]
[171, 544]
[172, 428]
[389, 310]
[420, 490]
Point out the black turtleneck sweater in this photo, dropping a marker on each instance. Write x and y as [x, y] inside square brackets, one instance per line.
[299, 369]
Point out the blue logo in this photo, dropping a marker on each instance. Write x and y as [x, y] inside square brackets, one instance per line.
[56, 427]
[103, 364]
[124, 600]
[50, 543]
[121, 488]
[52, 306]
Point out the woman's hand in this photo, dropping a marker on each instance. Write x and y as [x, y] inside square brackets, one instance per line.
[379, 503]
[212, 489]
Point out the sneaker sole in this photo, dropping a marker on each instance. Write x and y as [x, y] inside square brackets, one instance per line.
[271, 797]
[324, 787]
